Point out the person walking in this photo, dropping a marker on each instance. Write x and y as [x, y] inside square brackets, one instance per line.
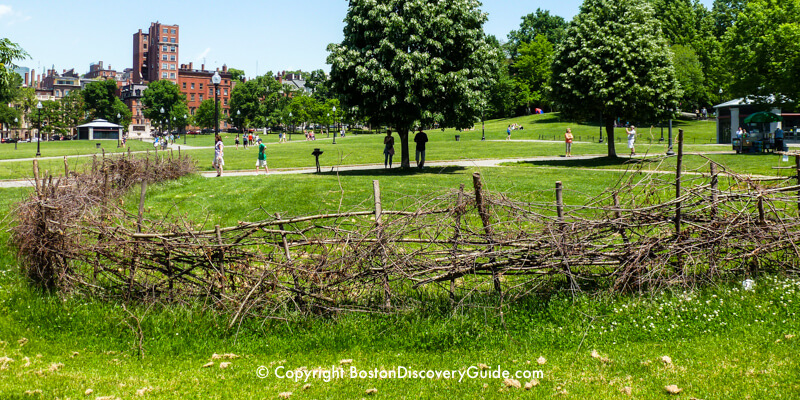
[237, 141]
[219, 154]
[568, 140]
[388, 149]
[262, 156]
[244, 141]
[631, 139]
[508, 133]
[420, 139]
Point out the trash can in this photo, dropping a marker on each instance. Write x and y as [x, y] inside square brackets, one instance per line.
[97, 145]
[458, 138]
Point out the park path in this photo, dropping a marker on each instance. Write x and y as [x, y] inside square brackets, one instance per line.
[430, 166]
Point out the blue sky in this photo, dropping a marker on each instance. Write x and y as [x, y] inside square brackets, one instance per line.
[256, 36]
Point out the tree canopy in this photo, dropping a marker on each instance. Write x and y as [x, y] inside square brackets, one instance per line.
[614, 61]
[763, 48]
[552, 27]
[101, 101]
[408, 62]
[164, 94]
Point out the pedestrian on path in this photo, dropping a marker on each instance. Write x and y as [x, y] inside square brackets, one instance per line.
[631, 139]
[508, 133]
[420, 139]
[568, 140]
[219, 154]
[388, 149]
[237, 141]
[262, 157]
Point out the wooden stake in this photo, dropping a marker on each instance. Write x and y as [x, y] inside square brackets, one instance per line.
[487, 224]
[298, 299]
[387, 293]
[714, 190]
[456, 238]
[36, 178]
[560, 201]
[141, 206]
[66, 167]
[678, 183]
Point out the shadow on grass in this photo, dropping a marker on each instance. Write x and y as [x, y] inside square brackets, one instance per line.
[597, 162]
[396, 171]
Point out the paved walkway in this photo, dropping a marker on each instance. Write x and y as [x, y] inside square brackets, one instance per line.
[430, 166]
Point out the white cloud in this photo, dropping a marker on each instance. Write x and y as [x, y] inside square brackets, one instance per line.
[10, 17]
[200, 58]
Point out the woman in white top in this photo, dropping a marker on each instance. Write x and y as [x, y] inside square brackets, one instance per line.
[219, 153]
[631, 139]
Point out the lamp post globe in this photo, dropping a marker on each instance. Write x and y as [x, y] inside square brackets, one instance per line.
[39, 133]
[162, 119]
[335, 123]
[216, 79]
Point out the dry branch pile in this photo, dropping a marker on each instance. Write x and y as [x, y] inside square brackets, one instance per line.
[648, 230]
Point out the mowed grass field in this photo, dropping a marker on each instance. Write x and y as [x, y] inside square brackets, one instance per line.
[722, 341]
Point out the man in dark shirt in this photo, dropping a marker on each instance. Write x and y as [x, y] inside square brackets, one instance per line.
[420, 139]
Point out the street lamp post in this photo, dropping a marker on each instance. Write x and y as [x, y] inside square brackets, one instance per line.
[39, 133]
[291, 123]
[601, 129]
[185, 118]
[162, 119]
[216, 79]
[239, 119]
[16, 123]
[483, 128]
[336, 124]
[669, 149]
[119, 119]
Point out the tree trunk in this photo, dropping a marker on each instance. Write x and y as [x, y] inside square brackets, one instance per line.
[405, 159]
[609, 122]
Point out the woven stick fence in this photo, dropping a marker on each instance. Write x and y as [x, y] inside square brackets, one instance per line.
[649, 230]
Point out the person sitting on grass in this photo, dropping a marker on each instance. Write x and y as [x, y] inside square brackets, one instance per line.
[262, 157]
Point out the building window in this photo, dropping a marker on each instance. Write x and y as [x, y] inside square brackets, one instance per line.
[172, 40]
[145, 46]
[210, 91]
[58, 93]
[164, 57]
[138, 92]
[184, 85]
[192, 96]
[201, 97]
[225, 102]
[165, 66]
[172, 75]
[226, 92]
[201, 86]
[172, 49]
[173, 31]
[163, 74]
[192, 85]
[165, 48]
[192, 111]
[172, 57]
[172, 66]
[166, 30]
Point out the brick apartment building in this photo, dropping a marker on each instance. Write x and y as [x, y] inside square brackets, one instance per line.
[156, 57]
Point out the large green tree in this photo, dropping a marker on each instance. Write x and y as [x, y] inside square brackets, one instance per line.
[164, 94]
[256, 101]
[725, 14]
[689, 72]
[614, 62]
[533, 71]
[763, 48]
[9, 53]
[413, 62]
[100, 100]
[204, 115]
[552, 27]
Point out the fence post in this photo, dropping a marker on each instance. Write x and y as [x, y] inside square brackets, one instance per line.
[714, 190]
[141, 206]
[487, 224]
[298, 300]
[36, 178]
[678, 195]
[66, 167]
[387, 293]
[456, 238]
[559, 201]
[797, 175]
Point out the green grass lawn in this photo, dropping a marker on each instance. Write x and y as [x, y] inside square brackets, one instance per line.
[723, 342]
[66, 148]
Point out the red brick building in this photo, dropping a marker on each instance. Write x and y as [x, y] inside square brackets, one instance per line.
[196, 85]
[156, 53]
